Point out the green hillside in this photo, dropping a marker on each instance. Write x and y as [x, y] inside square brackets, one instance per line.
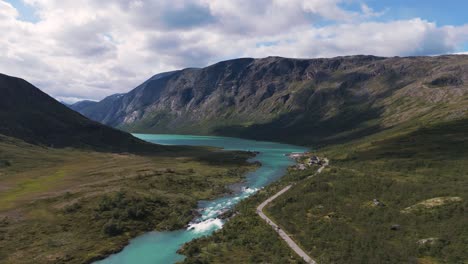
[419, 177]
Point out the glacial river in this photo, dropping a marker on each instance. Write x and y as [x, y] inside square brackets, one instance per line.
[161, 247]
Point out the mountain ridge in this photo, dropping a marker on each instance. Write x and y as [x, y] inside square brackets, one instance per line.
[302, 101]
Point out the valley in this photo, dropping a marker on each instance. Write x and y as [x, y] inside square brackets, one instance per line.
[393, 130]
[233, 131]
[74, 191]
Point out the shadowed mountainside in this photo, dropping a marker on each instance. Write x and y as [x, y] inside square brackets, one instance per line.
[31, 115]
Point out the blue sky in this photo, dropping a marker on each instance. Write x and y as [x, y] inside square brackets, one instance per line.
[443, 12]
[89, 49]
[449, 12]
[26, 12]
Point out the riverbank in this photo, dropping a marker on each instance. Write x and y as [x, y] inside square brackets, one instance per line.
[74, 206]
[246, 238]
[162, 247]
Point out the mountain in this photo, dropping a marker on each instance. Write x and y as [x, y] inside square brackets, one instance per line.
[65, 103]
[294, 100]
[80, 105]
[395, 190]
[33, 116]
[107, 109]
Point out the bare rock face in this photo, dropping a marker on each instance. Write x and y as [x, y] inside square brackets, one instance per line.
[292, 100]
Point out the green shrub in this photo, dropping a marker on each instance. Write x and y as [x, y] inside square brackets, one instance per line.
[113, 228]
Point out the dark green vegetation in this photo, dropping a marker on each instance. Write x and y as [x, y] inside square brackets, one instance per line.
[73, 190]
[419, 177]
[302, 101]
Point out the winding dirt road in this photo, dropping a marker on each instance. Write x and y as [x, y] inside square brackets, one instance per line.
[278, 230]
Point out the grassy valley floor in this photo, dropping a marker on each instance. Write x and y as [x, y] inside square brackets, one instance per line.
[399, 196]
[74, 206]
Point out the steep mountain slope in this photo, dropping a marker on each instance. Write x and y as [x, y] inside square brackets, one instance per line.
[31, 115]
[293, 100]
[113, 108]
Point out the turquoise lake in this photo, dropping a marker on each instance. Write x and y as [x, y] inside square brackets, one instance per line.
[161, 247]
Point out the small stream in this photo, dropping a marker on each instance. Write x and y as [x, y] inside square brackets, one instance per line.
[161, 247]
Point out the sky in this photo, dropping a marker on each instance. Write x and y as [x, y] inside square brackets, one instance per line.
[89, 49]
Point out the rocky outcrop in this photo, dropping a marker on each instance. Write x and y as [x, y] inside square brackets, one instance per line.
[432, 203]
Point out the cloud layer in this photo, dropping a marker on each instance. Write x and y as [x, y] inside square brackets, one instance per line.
[92, 49]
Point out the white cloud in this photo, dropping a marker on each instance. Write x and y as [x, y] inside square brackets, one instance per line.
[91, 49]
[369, 12]
[7, 11]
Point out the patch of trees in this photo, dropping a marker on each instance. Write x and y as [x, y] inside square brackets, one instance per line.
[113, 227]
[121, 209]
